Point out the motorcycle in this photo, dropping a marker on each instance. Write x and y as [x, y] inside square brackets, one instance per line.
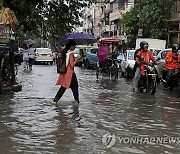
[148, 81]
[174, 79]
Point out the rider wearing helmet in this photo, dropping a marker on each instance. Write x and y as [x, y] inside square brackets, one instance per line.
[144, 57]
[172, 61]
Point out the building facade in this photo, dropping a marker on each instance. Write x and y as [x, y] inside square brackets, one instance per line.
[108, 15]
[174, 25]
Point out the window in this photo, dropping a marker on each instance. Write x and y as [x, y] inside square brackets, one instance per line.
[94, 51]
[122, 5]
[177, 7]
[115, 6]
[115, 33]
[131, 55]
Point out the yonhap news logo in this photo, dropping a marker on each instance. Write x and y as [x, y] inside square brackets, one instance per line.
[108, 140]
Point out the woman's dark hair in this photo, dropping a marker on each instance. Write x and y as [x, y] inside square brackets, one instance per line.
[67, 47]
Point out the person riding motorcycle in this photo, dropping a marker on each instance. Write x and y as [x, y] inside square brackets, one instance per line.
[136, 69]
[172, 63]
[144, 57]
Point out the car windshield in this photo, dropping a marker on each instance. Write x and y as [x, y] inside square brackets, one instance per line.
[43, 50]
[120, 56]
[76, 51]
[157, 52]
[164, 53]
[94, 50]
[131, 55]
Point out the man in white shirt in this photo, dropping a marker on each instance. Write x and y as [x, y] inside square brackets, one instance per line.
[31, 52]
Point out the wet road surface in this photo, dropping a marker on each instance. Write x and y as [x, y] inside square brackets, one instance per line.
[108, 112]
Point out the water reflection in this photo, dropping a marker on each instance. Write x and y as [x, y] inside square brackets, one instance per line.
[30, 123]
[65, 134]
[6, 109]
[75, 113]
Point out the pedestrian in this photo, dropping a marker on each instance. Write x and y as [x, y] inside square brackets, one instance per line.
[69, 79]
[31, 52]
[25, 57]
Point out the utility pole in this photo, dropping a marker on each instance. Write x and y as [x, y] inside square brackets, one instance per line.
[140, 30]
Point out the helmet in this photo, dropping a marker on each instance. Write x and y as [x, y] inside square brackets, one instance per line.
[143, 44]
[175, 47]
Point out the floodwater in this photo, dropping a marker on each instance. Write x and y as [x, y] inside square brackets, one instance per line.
[109, 114]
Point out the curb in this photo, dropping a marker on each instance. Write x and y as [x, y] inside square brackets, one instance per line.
[14, 88]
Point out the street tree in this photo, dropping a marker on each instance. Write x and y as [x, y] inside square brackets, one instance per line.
[150, 16]
[47, 18]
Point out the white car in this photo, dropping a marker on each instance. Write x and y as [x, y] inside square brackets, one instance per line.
[43, 55]
[76, 52]
[127, 64]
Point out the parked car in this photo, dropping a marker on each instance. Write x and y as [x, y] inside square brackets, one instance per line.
[43, 55]
[155, 52]
[76, 52]
[91, 57]
[120, 57]
[160, 58]
[127, 64]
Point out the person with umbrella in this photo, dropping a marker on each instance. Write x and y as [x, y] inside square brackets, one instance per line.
[31, 53]
[69, 79]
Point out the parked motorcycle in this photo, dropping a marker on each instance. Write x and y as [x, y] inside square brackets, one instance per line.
[148, 81]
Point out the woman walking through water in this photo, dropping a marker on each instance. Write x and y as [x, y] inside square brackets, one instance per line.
[69, 79]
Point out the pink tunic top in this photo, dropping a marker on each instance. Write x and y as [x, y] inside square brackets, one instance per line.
[65, 79]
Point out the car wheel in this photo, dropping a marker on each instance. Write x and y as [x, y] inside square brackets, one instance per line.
[87, 64]
[51, 63]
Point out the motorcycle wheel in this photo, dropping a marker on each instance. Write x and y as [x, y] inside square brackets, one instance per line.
[152, 87]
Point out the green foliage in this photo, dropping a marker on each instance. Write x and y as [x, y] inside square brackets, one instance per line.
[151, 16]
[47, 19]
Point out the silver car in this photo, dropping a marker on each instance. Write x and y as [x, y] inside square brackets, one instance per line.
[43, 55]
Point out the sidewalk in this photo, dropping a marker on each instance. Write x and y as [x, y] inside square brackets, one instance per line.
[14, 88]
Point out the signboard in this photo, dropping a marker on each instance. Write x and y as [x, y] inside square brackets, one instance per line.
[8, 47]
[140, 32]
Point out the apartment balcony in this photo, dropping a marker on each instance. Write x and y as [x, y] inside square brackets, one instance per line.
[117, 14]
[114, 15]
[176, 16]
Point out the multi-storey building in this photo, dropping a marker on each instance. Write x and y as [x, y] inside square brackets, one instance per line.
[117, 9]
[174, 25]
[103, 19]
[88, 19]
[107, 17]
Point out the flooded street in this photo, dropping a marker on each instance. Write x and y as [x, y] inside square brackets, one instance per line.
[30, 123]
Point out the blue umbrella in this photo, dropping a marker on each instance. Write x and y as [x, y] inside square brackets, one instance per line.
[79, 38]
